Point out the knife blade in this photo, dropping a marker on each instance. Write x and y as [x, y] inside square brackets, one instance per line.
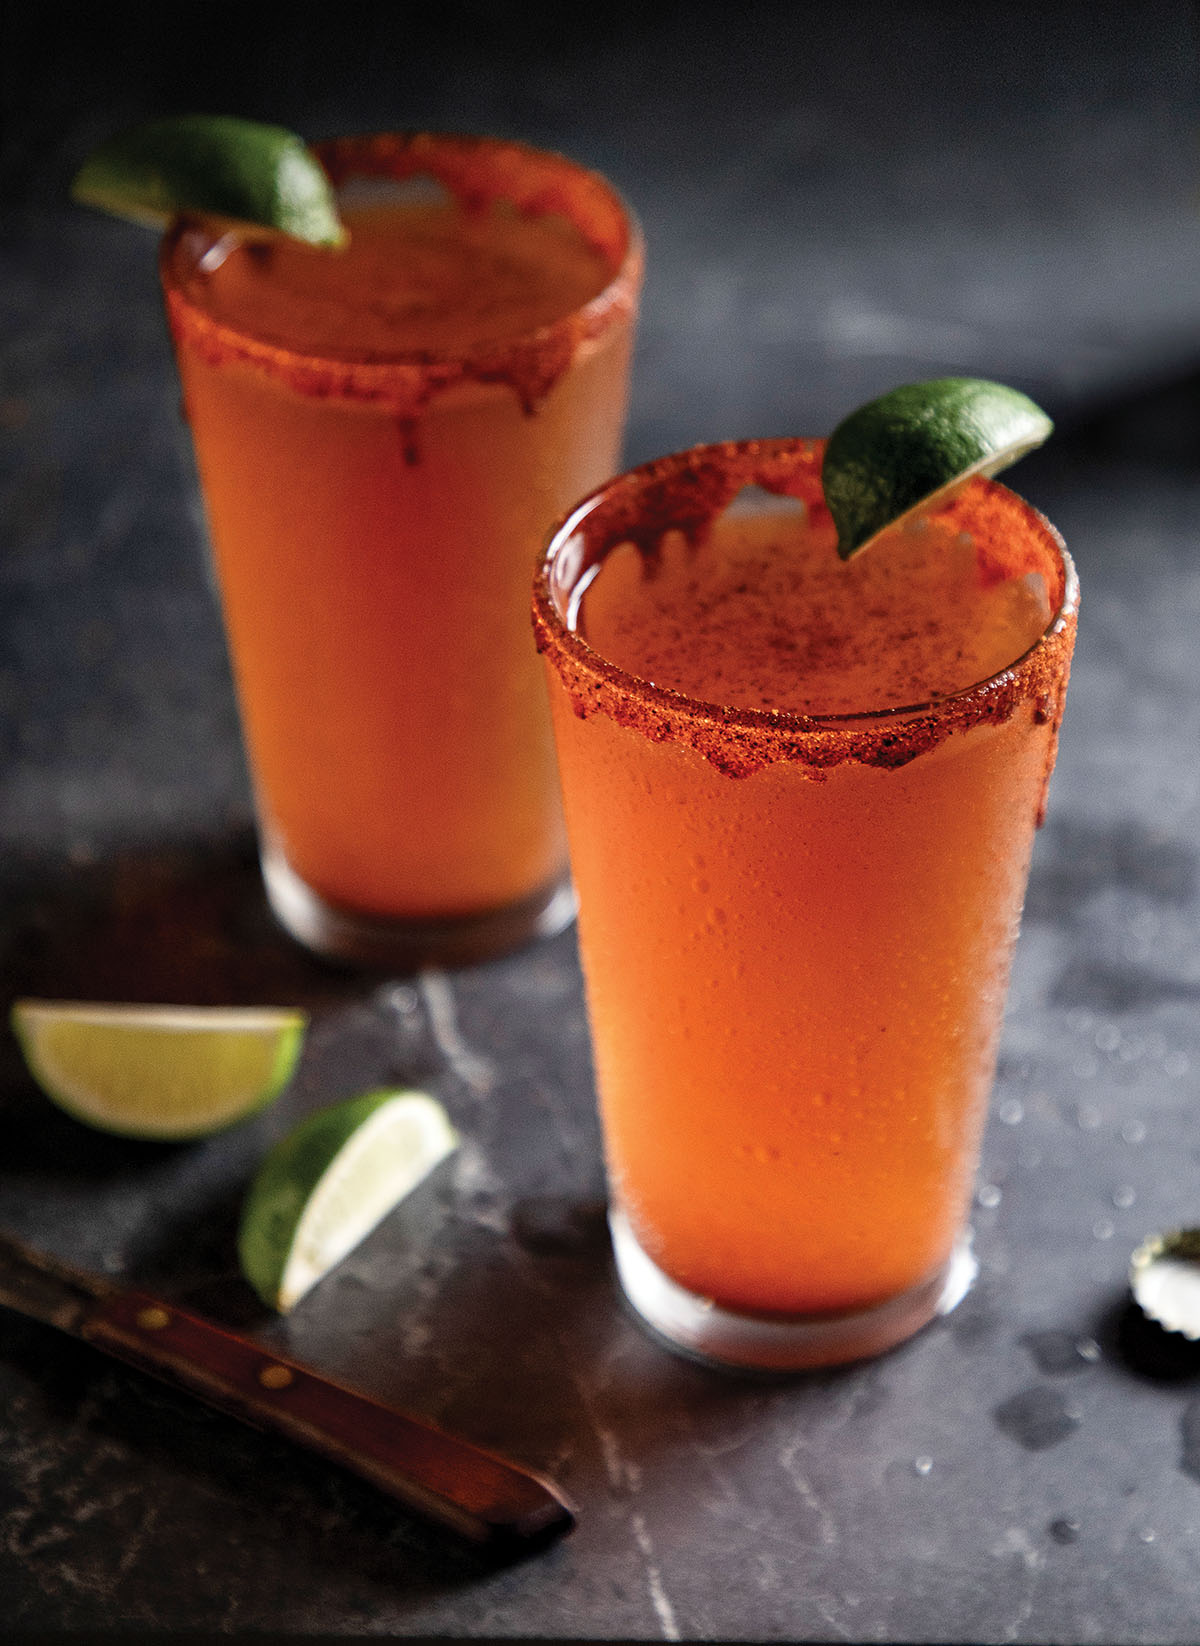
[474, 1492]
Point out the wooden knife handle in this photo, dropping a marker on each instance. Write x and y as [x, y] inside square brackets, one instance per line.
[475, 1493]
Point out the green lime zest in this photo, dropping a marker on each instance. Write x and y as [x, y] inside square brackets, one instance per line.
[261, 179]
[906, 450]
[330, 1181]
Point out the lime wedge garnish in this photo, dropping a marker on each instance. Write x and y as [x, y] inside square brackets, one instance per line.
[902, 452]
[326, 1185]
[237, 171]
[165, 1072]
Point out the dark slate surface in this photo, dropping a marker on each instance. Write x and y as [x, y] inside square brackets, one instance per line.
[832, 204]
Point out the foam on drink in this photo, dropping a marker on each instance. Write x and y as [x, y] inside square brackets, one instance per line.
[761, 614]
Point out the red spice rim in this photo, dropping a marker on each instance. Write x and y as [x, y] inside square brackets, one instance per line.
[775, 465]
[552, 183]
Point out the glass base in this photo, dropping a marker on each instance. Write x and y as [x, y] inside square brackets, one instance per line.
[409, 945]
[697, 1327]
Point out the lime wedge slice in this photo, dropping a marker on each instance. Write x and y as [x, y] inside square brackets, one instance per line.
[165, 1072]
[255, 177]
[904, 451]
[325, 1186]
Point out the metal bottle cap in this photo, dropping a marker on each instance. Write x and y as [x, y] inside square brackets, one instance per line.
[1164, 1276]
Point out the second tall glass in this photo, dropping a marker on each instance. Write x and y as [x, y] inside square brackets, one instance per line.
[384, 436]
[801, 798]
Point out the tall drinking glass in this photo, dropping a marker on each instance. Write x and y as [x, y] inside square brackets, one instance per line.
[801, 797]
[384, 436]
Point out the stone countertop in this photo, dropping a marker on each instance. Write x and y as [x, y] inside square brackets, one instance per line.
[830, 207]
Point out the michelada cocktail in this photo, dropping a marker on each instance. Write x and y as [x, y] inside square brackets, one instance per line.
[384, 434]
[801, 796]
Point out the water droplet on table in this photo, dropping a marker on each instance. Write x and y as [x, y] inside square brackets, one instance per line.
[1065, 1530]
[1189, 1433]
[1036, 1418]
[1061, 1353]
[401, 998]
[556, 1226]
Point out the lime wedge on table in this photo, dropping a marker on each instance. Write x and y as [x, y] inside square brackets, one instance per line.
[326, 1185]
[904, 451]
[166, 1072]
[238, 171]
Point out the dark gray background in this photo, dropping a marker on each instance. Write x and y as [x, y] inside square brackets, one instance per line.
[834, 202]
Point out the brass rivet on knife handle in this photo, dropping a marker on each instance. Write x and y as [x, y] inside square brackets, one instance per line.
[480, 1495]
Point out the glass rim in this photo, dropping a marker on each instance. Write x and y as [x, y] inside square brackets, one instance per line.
[416, 153]
[554, 634]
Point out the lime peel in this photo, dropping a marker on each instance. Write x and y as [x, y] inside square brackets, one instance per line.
[167, 1073]
[330, 1181]
[911, 448]
[260, 179]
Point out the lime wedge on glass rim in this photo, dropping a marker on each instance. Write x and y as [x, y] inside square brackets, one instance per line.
[158, 1072]
[905, 451]
[260, 179]
[330, 1181]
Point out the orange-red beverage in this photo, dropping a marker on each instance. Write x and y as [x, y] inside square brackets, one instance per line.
[801, 798]
[384, 435]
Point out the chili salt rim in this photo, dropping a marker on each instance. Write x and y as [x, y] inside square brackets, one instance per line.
[686, 491]
[478, 171]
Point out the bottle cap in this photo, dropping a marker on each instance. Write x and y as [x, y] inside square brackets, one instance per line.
[1164, 1276]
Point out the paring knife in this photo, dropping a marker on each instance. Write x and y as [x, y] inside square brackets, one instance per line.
[475, 1493]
